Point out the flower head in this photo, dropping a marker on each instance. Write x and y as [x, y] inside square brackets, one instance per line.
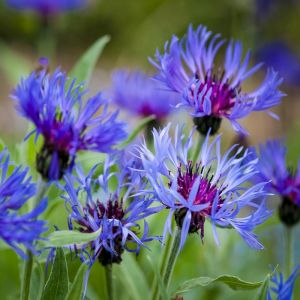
[210, 188]
[187, 67]
[114, 212]
[283, 289]
[55, 106]
[282, 181]
[46, 7]
[140, 95]
[16, 189]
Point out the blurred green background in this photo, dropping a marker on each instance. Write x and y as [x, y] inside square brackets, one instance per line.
[137, 28]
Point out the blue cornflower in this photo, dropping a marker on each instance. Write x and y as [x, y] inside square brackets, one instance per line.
[108, 204]
[46, 7]
[16, 189]
[187, 67]
[55, 106]
[209, 188]
[282, 180]
[283, 290]
[140, 95]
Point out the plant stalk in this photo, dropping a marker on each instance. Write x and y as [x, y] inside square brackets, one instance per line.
[25, 289]
[169, 268]
[165, 254]
[289, 260]
[109, 282]
[197, 149]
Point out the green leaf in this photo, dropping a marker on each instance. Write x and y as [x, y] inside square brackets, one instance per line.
[84, 68]
[233, 282]
[136, 131]
[37, 282]
[68, 237]
[57, 285]
[76, 288]
[157, 277]
[129, 273]
[13, 64]
[262, 295]
[264, 290]
[2, 144]
[26, 150]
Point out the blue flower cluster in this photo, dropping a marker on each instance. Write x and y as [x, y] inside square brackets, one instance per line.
[148, 100]
[55, 106]
[114, 213]
[209, 188]
[187, 67]
[194, 186]
[18, 231]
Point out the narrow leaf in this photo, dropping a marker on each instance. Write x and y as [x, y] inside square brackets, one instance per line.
[264, 290]
[76, 288]
[84, 68]
[37, 282]
[136, 131]
[68, 237]
[129, 273]
[157, 277]
[26, 150]
[262, 295]
[2, 144]
[57, 285]
[233, 282]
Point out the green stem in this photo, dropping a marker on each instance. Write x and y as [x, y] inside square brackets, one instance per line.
[143, 123]
[288, 250]
[25, 289]
[26, 276]
[169, 268]
[109, 282]
[46, 43]
[197, 149]
[165, 254]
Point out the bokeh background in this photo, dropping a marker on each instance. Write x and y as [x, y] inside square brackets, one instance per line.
[270, 27]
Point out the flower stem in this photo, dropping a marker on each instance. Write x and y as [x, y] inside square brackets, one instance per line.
[109, 282]
[165, 254]
[25, 289]
[197, 149]
[26, 276]
[288, 250]
[169, 268]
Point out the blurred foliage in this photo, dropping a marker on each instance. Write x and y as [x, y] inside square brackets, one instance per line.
[138, 27]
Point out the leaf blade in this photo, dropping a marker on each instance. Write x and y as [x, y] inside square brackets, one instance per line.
[83, 69]
[57, 285]
[68, 237]
[136, 131]
[77, 286]
[232, 282]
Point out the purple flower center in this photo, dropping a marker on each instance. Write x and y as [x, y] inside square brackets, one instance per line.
[292, 188]
[110, 210]
[205, 195]
[55, 156]
[222, 96]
